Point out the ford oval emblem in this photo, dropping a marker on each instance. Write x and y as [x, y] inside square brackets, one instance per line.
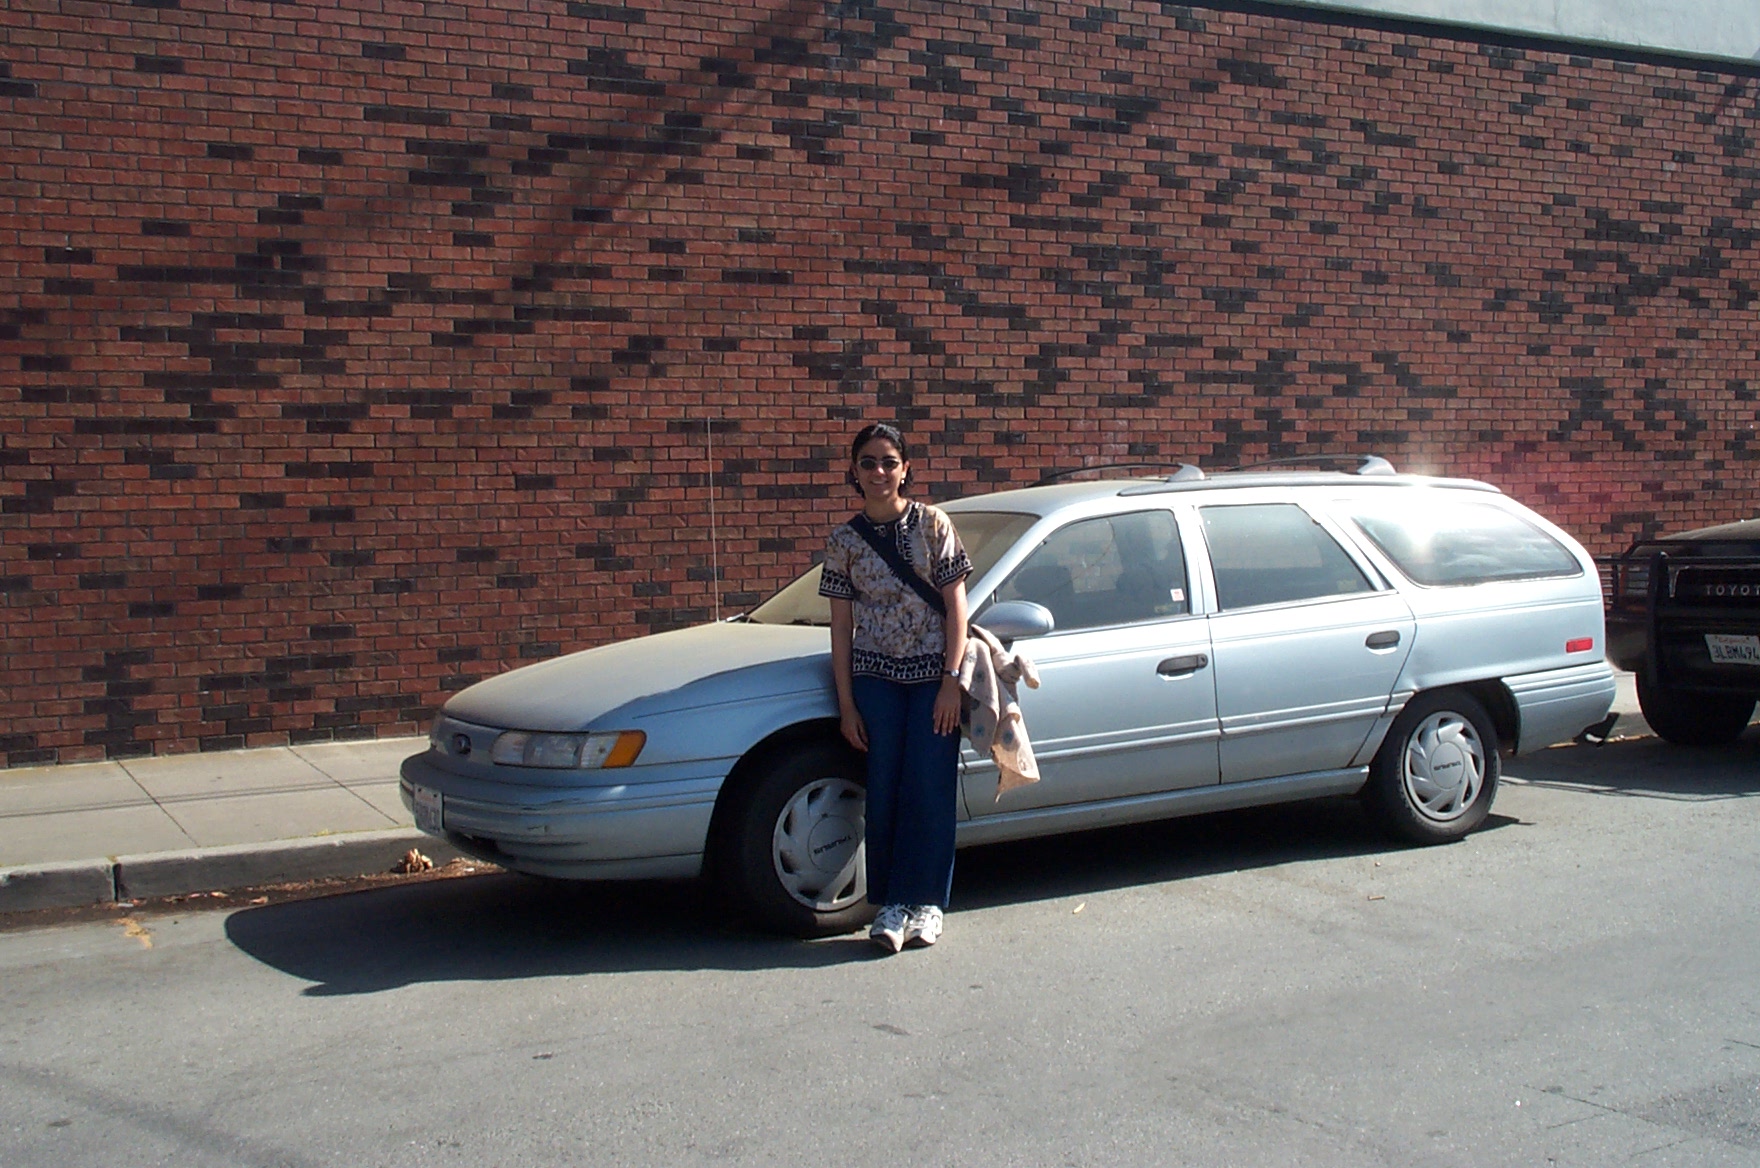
[461, 744]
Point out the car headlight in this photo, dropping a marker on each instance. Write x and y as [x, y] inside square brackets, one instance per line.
[567, 751]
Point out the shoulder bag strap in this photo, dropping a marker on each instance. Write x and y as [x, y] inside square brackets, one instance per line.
[885, 549]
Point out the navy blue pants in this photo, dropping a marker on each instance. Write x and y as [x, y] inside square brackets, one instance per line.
[913, 793]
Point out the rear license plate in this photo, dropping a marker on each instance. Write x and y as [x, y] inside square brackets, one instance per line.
[1726, 649]
[430, 810]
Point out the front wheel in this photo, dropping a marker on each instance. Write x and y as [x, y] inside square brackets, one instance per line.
[1694, 717]
[793, 843]
[1436, 774]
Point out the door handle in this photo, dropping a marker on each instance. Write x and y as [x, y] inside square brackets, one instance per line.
[1181, 666]
[1383, 640]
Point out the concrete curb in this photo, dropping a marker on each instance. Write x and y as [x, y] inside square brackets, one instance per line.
[63, 885]
[87, 882]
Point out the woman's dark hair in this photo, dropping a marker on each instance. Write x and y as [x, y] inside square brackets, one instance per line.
[866, 435]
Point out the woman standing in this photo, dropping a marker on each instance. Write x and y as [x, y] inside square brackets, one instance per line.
[895, 657]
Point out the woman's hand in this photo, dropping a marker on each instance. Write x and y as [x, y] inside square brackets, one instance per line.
[948, 704]
[855, 731]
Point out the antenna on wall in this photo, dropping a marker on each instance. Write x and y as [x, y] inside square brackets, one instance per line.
[714, 533]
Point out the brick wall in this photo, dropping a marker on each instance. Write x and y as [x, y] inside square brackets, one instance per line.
[352, 351]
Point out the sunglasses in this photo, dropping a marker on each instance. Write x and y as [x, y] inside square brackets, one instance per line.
[888, 464]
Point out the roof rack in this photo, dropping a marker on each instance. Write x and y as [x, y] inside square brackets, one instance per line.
[1183, 472]
[1366, 464]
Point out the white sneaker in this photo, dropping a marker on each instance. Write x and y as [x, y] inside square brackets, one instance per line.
[887, 930]
[923, 926]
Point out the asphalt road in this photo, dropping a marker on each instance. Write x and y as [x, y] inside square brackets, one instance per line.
[1574, 985]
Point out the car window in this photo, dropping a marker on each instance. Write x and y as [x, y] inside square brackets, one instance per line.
[986, 535]
[1441, 541]
[1273, 553]
[1114, 570]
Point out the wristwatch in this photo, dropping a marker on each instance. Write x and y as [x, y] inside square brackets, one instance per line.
[953, 673]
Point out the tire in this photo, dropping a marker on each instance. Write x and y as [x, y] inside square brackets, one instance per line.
[794, 861]
[1436, 773]
[1689, 717]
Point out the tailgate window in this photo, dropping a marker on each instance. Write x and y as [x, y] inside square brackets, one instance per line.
[1442, 542]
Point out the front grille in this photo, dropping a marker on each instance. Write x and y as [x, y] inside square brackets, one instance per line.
[1732, 587]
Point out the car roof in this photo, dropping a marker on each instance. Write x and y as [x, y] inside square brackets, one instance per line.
[1054, 497]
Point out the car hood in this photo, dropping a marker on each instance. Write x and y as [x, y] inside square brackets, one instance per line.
[1739, 538]
[630, 680]
[1741, 531]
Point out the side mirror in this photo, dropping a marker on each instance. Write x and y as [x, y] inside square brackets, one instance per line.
[1018, 618]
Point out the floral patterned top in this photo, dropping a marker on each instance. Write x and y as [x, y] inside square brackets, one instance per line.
[898, 636]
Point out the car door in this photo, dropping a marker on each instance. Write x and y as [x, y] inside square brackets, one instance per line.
[1125, 704]
[1307, 644]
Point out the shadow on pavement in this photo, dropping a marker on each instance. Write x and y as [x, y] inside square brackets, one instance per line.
[1647, 768]
[1152, 853]
[501, 926]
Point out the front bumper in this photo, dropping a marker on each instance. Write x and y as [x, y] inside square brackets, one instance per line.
[652, 823]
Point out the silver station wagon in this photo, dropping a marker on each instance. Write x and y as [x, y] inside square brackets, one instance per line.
[1204, 643]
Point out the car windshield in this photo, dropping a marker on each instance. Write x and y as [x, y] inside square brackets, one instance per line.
[986, 534]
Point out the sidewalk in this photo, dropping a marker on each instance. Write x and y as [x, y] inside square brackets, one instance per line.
[94, 833]
[97, 832]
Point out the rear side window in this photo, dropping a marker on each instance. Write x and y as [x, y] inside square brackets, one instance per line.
[1274, 553]
[1120, 569]
[1440, 542]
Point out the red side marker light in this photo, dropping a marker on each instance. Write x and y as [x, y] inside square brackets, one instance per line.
[1580, 645]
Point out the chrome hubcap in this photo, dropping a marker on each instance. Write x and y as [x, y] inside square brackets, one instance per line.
[817, 845]
[1444, 766]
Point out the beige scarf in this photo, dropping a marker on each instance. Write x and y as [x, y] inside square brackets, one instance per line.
[992, 715]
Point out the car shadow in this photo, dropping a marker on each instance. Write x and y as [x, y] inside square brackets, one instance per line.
[1647, 768]
[495, 926]
[499, 926]
[1055, 867]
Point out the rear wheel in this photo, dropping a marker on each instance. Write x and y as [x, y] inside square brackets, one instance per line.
[793, 844]
[1436, 774]
[1689, 717]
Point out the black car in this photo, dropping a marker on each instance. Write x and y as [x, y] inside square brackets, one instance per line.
[1684, 615]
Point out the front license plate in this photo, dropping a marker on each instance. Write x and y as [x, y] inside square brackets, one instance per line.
[430, 810]
[1727, 649]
